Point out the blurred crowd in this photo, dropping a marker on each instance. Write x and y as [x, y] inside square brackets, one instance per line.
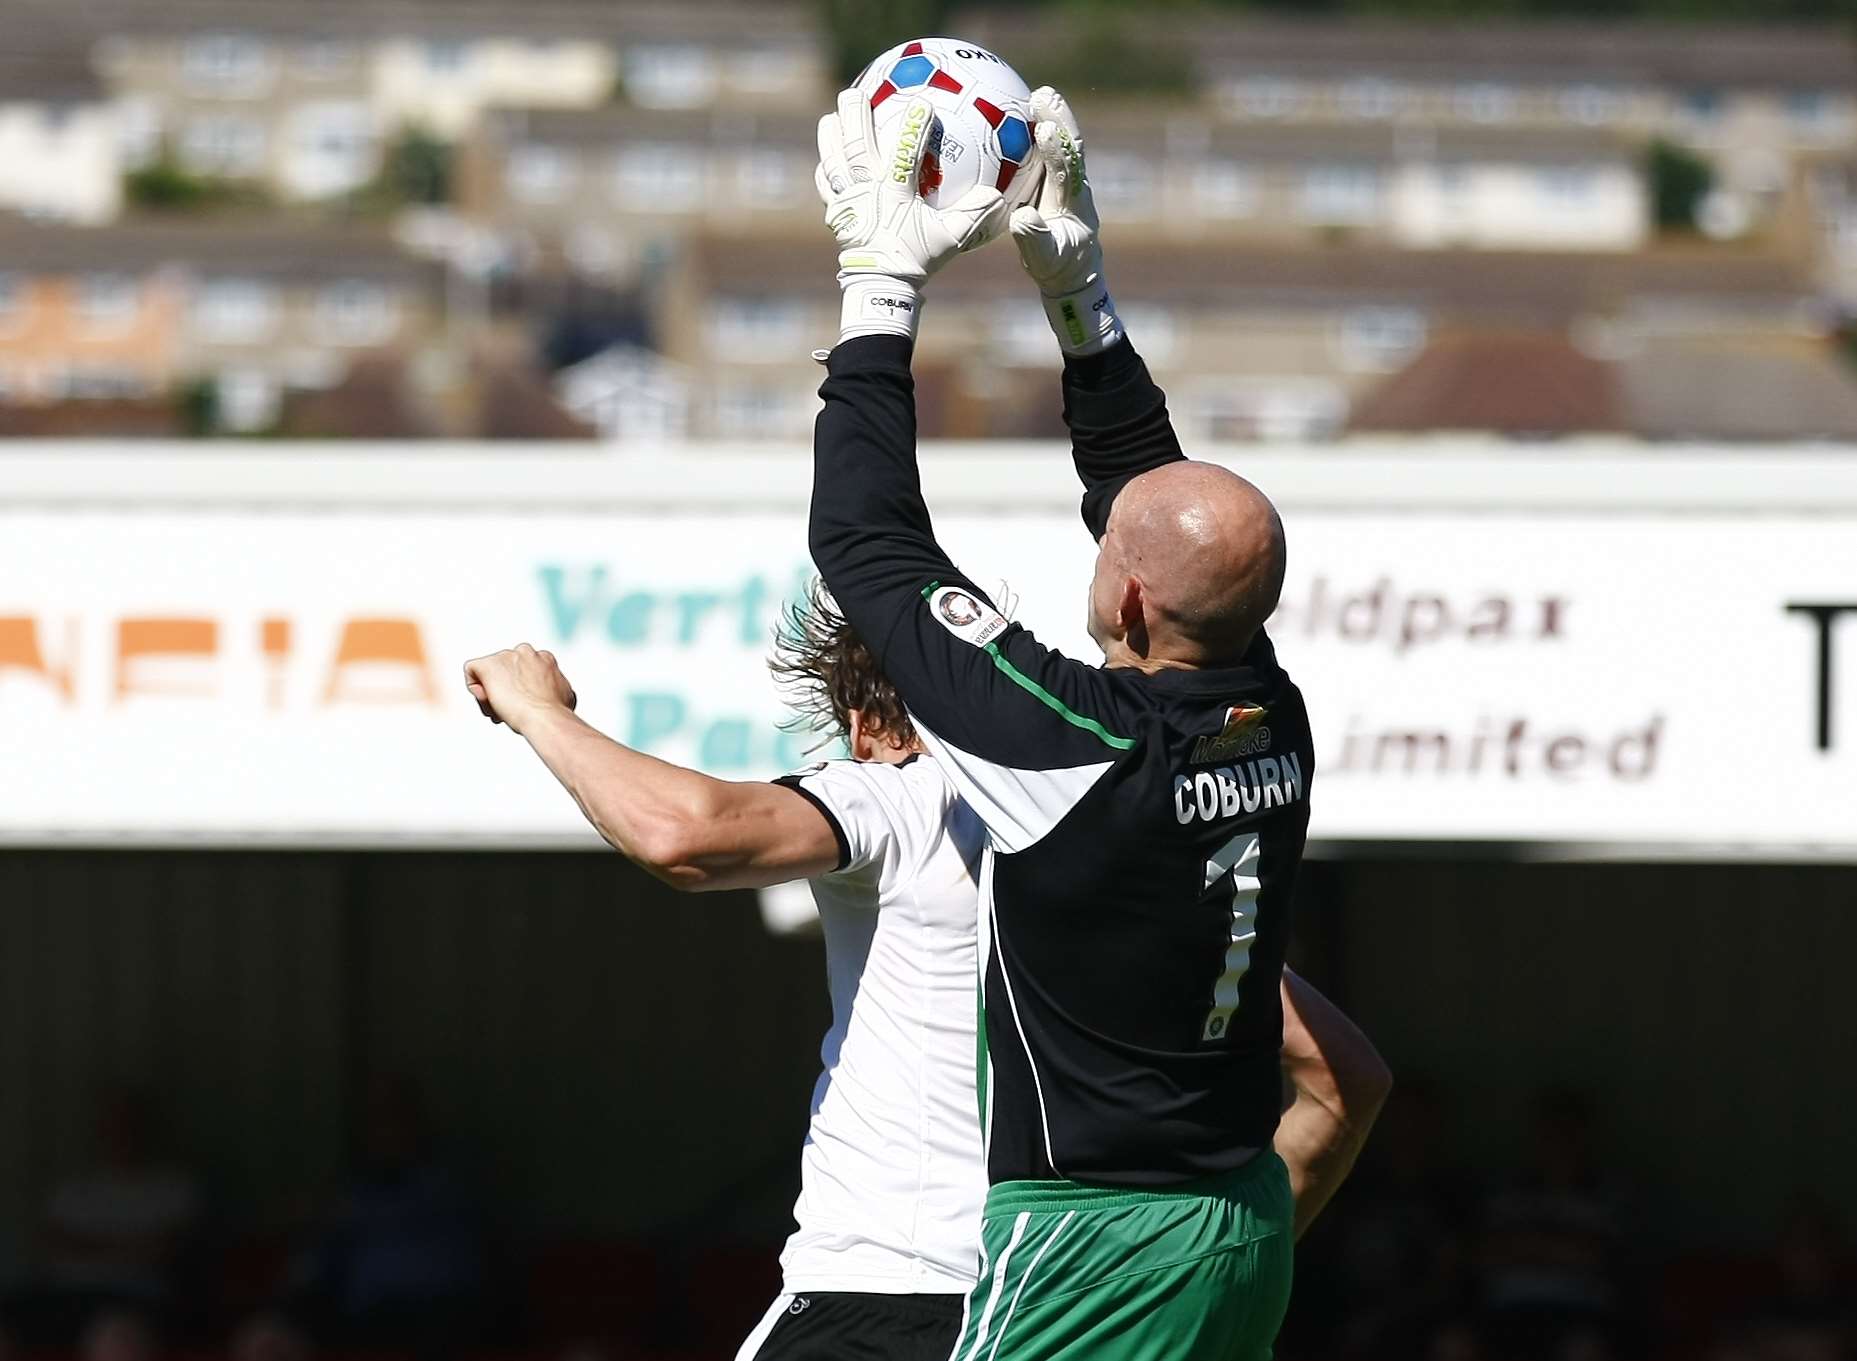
[131, 1263]
[1552, 1256]
[1547, 1257]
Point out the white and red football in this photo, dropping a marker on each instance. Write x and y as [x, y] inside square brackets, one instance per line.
[983, 120]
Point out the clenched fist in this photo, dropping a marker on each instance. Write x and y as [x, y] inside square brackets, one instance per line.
[518, 685]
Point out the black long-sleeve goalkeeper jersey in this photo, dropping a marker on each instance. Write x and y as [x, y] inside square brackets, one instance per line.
[1144, 830]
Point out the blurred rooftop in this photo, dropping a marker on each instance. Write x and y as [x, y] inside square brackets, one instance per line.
[591, 20]
[259, 245]
[1536, 285]
[1222, 43]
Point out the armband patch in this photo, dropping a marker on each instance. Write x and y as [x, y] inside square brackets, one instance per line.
[966, 616]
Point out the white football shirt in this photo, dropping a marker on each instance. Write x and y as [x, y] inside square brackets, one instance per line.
[893, 1173]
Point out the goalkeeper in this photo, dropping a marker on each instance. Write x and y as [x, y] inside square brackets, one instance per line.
[1145, 819]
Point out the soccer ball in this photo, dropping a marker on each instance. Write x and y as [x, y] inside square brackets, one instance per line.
[982, 133]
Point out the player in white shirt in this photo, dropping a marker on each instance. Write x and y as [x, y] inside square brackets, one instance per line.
[891, 1184]
[892, 1171]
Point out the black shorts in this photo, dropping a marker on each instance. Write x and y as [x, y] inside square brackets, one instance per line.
[840, 1326]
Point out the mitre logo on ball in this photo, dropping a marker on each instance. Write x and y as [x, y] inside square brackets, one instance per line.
[980, 132]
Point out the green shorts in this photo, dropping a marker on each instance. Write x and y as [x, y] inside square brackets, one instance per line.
[1192, 1273]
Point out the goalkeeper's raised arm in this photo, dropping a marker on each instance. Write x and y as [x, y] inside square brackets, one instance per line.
[976, 684]
[1117, 416]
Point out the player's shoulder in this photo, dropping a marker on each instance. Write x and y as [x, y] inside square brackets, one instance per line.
[909, 789]
[928, 806]
[843, 770]
[894, 813]
[818, 770]
[924, 780]
[914, 791]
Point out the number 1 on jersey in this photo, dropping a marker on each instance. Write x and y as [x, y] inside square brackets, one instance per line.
[1238, 859]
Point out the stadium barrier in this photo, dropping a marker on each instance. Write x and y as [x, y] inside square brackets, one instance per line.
[1591, 649]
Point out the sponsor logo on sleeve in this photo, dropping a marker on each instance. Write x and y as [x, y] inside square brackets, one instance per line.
[1243, 734]
[966, 616]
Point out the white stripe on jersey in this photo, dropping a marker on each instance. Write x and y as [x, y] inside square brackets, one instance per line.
[1018, 806]
[984, 952]
[1031, 1059]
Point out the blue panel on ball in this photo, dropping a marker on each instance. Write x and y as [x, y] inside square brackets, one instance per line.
[1015, 139]
[910, 72]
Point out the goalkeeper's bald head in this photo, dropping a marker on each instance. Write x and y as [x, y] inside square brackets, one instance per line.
[1189, 568]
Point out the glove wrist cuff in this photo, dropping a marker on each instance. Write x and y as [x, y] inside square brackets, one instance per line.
[1085, 321]
[877, 304]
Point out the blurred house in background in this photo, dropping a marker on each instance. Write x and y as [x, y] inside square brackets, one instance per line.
[626, 392]
[304, 99]
[1532, 384]
[73, 323]
[268, 95]
[1761, 103]
[1191, 175]
[611, 193]
[256, 310]
[58, 130]
[1279, 343]
[612, 203]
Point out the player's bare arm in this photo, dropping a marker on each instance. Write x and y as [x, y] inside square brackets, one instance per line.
[1338, 1083]
[695, 833]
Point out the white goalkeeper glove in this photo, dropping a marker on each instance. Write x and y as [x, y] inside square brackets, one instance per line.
[1057, 236]
[890, 240]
